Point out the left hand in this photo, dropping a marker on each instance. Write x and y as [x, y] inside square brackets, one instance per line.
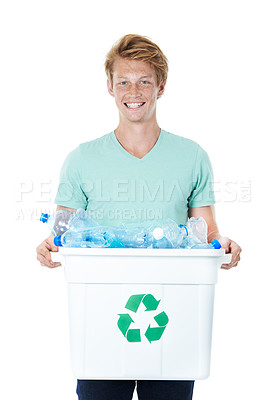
[230, 247]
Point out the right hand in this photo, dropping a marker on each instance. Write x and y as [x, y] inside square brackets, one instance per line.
[43, 253]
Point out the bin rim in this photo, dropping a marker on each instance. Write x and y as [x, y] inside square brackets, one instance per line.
[79, 251]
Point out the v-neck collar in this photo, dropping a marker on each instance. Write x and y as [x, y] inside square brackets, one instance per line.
[129, 155]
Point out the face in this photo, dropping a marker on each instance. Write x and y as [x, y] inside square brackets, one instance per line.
[135, 89]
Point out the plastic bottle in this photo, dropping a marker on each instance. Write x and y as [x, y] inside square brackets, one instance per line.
[97, 236]
[197, 227]
[167, 234]
[81, 220]
[134, 237]
[62, 220]
[215, 244]
[58, 222]
[104, 236]
[161, 234]
[196, 233]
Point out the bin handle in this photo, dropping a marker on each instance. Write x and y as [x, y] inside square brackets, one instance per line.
[226, 258]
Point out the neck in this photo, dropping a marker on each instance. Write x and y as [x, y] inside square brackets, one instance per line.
[137, 138]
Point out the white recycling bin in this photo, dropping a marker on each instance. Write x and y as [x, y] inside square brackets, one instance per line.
[141, 313]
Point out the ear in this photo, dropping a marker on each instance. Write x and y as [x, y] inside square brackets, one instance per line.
[161, 89]
[110, 89]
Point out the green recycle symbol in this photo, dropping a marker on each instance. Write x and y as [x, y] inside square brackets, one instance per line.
[152, 333]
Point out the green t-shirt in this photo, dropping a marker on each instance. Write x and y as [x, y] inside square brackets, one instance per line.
[114, 186]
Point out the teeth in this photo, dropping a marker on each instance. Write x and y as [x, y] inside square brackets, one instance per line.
[134, 105]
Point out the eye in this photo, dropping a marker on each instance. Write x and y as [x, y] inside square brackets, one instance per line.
[123, 83]
[144, 82]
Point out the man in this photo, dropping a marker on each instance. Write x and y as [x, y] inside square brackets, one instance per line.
[139, 171]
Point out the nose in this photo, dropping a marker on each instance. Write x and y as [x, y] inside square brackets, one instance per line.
[134, 90]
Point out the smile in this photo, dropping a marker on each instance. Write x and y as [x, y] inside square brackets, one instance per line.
[134, 105]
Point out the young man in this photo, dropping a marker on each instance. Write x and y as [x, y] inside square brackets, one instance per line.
[139, 171]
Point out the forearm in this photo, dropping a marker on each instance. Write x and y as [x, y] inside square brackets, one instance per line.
[65, 208]
[213, 234]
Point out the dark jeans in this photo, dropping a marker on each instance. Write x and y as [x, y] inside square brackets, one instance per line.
[123, 390]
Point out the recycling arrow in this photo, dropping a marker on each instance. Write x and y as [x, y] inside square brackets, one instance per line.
[162, 319]
[150, 302]
[124, 323]
[152, 333]
[134, 302]
[133, 335]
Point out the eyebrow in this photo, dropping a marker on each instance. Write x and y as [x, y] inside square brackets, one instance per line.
[141, 77]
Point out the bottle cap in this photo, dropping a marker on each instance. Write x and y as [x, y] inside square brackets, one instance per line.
[184, 227]
[158, 233]
[57, 241]
[44, 217]
[216, 244]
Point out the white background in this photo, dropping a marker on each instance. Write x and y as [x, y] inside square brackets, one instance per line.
[53, 97]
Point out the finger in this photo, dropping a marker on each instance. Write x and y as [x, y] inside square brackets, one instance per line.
[56, 264]
[52, 247]
[43, 261]
[235, 259]
[51, 265]
[235, 250]
[45, 258]
[46, 263]
[43, 250]
[229, 266]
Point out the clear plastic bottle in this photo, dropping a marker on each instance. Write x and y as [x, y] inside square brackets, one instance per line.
[96, 236]
[167, 234]
[105, 236]
[62, 220]
[164, 233]
[134, 237]
[81, 220]
[58, 222]
[197, 227]
[196, 233]
[215, 244]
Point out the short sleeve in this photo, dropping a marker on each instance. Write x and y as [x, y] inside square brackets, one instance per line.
[202, 183]
[70, 193]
